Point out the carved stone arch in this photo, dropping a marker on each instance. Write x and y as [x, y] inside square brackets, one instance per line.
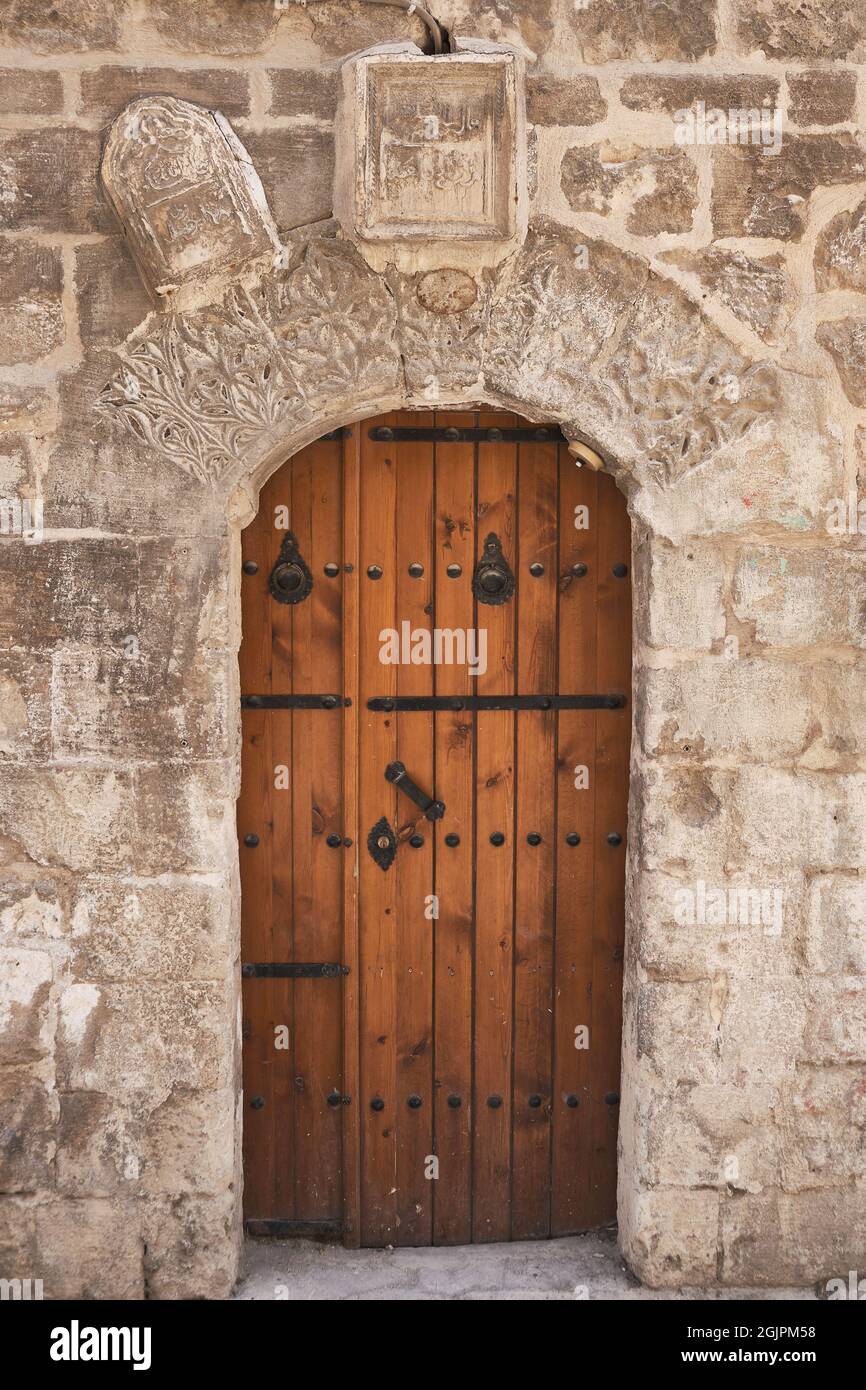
[615, 354]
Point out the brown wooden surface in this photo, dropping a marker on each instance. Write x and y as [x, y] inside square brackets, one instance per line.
[484, 1000]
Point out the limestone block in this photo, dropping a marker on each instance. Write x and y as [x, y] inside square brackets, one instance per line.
[17, 1238]
[30, 92]
[787, 817]
[746, 709]
[99, 1144]
[90, 1249]
[186, 193]
[120, 1039]
[756, 195]
[840, 252]
[296, 168]
[671, 94]
[836, 925]
[669, 1237]
[821, 97]
[67, 26]
[121, 931]
[192, 1246]
[185, 818]
[32, 907]
[223, 26]
[677, 1029]
[845, 340]
[681, 815]
[27, 1125]
[77, 817]
[655, 189]
[105, 90]
[678, 30]
[835, 1021]
[31, 301]
[804, 1238]
[303, 92]
[111, 299]
[188, 1145]
[823, 1112]
[678, 590]
[718, 1136]
[761, 1027]
[25, 984]
[47, 181]
[801, 597]
[25, 707]
[790, 29]
[574, 101]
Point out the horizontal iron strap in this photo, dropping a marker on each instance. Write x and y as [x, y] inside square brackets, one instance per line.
[495, 702]
[293, 702]
[292, 970]
[260, 1227]
[454, 434]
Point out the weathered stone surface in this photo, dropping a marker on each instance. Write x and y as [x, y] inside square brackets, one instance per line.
[669, 1237]
[25, 983]
[111, 299]
[223, 26]
[821, 97]
[800, 1238]
[442, 318]
[759, 196]
[656, 190]
[825, 1111]
[106, 90]
[708, 710]
[679, 590]
[119, 1039]
[297, 171]
[27, 1141]
[836, 926]
[192, 1246]
[801, 598]
[712, 1136]
[48, 181]
[106, 1239]
[757, 289]
[840, 252]
[303, 92]
[28, 92]
[31, 906]
[98, 1145]
[835, 1021]
[80, 818]
[677, 93]
[185, 818]
[184, 1149]
[64, 26]
[845, 340]
[186, 193]
[612, 29]
[17, 1238]
[25, 707]
[775, 812]
[560, 101]
[31, 301]
[151, 932]
[794, 29]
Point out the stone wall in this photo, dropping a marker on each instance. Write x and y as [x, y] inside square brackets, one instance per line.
[695, 313]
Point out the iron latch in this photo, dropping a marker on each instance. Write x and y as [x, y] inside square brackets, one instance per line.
[396, 773]
[294, 701]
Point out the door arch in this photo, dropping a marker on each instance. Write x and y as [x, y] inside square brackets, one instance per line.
[432, 1001]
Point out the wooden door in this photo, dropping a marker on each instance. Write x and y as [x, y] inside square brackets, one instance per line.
[435, 670]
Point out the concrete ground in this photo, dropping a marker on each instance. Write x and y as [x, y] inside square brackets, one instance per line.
[574, 1267]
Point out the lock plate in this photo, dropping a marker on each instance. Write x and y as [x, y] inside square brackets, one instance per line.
[382, 844]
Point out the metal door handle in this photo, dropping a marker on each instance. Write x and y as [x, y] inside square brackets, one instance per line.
[396, 773]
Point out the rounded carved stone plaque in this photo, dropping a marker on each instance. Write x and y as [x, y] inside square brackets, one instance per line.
[447, 291]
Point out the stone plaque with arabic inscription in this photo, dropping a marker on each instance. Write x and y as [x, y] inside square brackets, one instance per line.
[432, 149]
[186, 192]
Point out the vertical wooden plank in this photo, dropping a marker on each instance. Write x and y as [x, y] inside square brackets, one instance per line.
[413, 867]
[534, 865]
[351, 450]
[316, 814]
[265, 932]
[575, 815]
[494, 904]
[377, 888]
[455, 778]
[613, 738]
